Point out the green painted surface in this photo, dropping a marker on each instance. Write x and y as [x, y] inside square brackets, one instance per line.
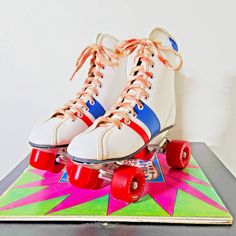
[35, 209]
[95, 207]
[15, 194]
[27, 177]
[193, 161]
[146, 206]
[208, 191]
[187, 205]
[196, 173]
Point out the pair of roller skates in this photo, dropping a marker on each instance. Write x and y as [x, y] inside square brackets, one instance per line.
[98, 137]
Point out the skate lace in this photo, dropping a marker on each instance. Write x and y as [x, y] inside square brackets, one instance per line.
[100, 57]
[134, 91]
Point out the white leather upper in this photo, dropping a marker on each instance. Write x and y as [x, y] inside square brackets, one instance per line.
[104, 143]
[60, 131]
[56, 131]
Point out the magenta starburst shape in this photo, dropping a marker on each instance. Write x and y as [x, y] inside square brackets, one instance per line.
[163, 191]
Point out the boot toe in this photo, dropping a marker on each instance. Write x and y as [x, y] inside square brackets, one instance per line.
[56, 132]
[88, 145]
[42, 134]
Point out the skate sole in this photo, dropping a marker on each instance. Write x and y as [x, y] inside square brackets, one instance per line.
[91, 161]
[47, 146]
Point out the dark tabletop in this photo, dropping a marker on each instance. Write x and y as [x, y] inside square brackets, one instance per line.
[219, 176]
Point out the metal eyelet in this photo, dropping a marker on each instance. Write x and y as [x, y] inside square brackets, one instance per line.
[87, 109]
[128, 122]
[140, 108]
[80, 116]
[92, 103]
[135, 115]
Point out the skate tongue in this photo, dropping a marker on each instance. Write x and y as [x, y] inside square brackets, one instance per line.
[107, 40]
[161, 35]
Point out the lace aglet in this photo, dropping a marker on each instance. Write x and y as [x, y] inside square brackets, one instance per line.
[73, 75]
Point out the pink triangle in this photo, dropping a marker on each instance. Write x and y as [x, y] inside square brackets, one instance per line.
[115, 205]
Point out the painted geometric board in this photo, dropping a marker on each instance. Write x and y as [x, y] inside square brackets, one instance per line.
[175, 196]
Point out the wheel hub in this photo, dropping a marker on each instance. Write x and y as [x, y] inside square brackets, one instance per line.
[184, 155]
[134, 185]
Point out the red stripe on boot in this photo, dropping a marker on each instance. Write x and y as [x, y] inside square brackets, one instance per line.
[137, 129]
[85, 119]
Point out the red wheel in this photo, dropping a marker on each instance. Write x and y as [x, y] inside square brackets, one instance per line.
[45, 161]
[128, 183]
[83, 177]
[41, 159]
[57, 167]
[69, 165]
[144, 154]
[178, 154]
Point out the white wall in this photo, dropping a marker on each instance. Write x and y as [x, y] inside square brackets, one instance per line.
[40, 40]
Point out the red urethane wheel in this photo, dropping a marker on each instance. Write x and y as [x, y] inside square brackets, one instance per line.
[178, 153]
[45, 161]
[42, 160]
[128, 183]
[69, 165]
[83, 177]
[144, 155]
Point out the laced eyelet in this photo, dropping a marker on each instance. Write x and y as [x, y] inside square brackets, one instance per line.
[140, 108]
[92, 103]
[87, 109]
[80, 115]
[127, 123]
[146, 98]
[151, 76]
[134, 115]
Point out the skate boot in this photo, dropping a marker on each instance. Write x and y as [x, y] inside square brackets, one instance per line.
[104, 83]
[137, 124]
